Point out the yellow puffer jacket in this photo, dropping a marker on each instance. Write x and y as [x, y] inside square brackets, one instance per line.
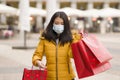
[57, 57]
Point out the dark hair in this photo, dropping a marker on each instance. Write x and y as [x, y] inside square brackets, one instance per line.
[64, 37]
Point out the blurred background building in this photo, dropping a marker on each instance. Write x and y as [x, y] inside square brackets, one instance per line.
[90, 24]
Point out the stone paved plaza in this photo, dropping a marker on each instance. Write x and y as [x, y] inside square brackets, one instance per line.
[13, 61]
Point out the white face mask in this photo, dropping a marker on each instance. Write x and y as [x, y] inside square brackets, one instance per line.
[58, 28]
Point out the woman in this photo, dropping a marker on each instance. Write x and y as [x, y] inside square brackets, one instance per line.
[55, 44]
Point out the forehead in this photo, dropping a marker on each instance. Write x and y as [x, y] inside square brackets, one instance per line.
[58, 19]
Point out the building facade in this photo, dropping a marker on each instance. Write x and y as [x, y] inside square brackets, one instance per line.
[79, 4]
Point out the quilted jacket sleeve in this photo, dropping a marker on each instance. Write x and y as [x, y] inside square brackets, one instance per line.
[38, 54]
[76, 37]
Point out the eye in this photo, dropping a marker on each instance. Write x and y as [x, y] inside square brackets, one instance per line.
[57, 23]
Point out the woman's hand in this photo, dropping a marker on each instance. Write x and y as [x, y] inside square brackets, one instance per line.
[41, 64]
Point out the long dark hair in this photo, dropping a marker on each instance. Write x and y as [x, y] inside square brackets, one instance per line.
[64, 37]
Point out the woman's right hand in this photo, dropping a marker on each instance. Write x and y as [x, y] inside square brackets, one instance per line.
[41, 64]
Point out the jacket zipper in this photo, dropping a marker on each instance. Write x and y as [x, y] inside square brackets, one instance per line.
[57, 59]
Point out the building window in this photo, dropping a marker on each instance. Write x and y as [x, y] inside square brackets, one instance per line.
[65, 4]
[32, 4]
[98, 5]
[13, 4]
[114, 5]
[82, 5]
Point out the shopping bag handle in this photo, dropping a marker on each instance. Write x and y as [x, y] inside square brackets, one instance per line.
[39, 68]
[83, 33]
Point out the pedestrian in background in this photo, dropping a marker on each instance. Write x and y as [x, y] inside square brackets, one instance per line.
[55, 44]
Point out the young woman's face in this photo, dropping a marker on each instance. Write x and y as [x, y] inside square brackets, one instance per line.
[58, 21]
[58, 25]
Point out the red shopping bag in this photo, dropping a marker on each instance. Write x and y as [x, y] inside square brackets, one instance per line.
[30, 74]
[81, 67]
[97, 48]
[87, 64]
